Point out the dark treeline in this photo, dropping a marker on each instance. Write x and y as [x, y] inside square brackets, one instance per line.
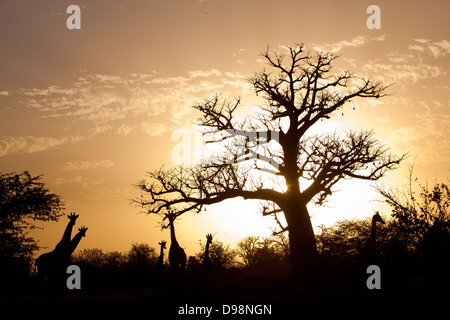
[412, 251]
[136, 269]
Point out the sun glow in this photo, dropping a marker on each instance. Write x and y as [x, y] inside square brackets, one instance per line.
[352, 199]
[235, 219]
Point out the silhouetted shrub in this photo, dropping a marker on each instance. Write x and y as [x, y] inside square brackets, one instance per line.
[262, 253]
[221, 255]
[422, 219]
[141, 256]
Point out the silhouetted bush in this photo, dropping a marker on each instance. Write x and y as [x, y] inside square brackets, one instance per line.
[23, 200]
[422, 219]
[114, 270]
[221, 255]
[263, 255]
[141, 256]
[413, 245]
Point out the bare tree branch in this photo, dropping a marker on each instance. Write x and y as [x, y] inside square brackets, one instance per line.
[190, 189]
[331, 158]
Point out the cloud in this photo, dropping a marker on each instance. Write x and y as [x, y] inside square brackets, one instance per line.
[237, 53]
[417, 47]
[150, 128]
[436, 48]
[84, 186]
[409, 66]
[115, 104]
[203, 73]
[100, 103]
[409, 72]
[104, 98]
[86, 164]
[383, 119]
[357, 41]
[72, 180]
[428, 136]
[46, 91]
[30, 144]
[154, 129]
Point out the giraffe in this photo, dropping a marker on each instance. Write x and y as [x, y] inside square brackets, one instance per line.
[368, 253]
[177, 256]
[76, 239]
[51, 266]
[160, 263]
[207, 264]
[159, 274]
[65, 241]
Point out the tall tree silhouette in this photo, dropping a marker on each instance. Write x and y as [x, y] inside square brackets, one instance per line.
[275, 141]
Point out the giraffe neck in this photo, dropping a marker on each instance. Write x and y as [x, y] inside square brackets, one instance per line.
[67, 233]
[161, 254]
[75, 241]
[172, 234]
[207, 249]
[373, 230]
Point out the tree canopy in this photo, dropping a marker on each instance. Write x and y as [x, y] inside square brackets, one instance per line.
[23, 200]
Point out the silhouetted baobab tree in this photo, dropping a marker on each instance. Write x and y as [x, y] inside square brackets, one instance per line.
[274, 141]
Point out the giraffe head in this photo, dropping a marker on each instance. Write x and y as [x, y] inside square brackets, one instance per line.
[82, 231]
[171, 216]
[377, 218]
[72, 217]
[162, 244]
[209, 238]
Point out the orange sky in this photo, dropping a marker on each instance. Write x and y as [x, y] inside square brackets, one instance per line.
[94, 109]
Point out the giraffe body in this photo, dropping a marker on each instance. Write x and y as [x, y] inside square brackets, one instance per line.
[177, 256]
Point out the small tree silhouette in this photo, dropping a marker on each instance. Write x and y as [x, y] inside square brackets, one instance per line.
[23, 199]
[275, 141]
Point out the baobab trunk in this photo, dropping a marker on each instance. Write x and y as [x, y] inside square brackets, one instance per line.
[302, 241]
